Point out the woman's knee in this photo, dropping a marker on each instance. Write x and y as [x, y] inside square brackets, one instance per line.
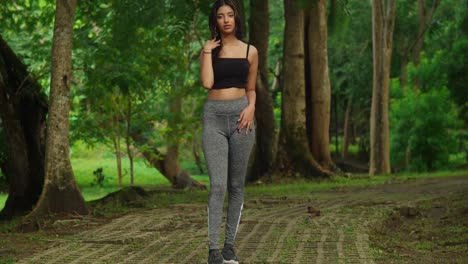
[217, 190]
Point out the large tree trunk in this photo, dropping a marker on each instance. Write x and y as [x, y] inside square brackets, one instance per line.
[383, 21]
[294, 158]
[318, 84]
[167, 164]
[60, 193]
[22, 111]
[265, 148]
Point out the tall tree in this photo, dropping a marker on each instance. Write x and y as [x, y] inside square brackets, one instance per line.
[318, 90]
[414, 20]
[294, 157]
[347, 126]
[23, 108]
[383, 21]
[266, 129]
[60, 192]
[424, 18]
[142, 78]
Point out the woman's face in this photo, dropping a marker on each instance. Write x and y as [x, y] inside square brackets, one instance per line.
[225, 20]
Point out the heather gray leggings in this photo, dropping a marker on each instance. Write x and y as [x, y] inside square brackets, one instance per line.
[227, 154]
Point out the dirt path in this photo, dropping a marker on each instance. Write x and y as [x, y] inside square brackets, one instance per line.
[273, 230]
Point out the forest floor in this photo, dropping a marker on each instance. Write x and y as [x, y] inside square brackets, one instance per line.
[422, 220]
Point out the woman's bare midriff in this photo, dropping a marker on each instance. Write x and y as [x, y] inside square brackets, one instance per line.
[226, 94]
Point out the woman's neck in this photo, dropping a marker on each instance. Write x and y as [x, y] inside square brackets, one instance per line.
[229, 40]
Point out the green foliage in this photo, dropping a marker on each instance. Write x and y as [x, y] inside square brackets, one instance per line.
[457, 76]
[423, 130]
[275, 38]
[338, 16]
[27, 26]
[448, 37]
[277, 109]
[99, 178]
[145, 54]
[130, 58]
[429, 71]
[351, 69]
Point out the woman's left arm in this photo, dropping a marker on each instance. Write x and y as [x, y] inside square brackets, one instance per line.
[247, 116]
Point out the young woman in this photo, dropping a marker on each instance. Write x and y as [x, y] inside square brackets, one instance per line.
[228, 71]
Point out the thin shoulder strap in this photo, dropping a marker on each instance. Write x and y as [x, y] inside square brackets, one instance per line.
[248, 46]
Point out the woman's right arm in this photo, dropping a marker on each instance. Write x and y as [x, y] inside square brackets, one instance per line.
[206, 64]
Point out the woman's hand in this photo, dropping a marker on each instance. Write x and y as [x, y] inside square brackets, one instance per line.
[211, 44]
[246, 119]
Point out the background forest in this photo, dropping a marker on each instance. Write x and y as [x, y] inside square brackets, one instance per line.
[136, 98]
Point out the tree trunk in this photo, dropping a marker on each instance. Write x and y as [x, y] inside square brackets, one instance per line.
[118, 157]
[128, 138]
[197, 158]
[294, 158]
[319, 85]
[424, 22]
[167, 164]
[22, 112]
[383, 21]
[60, 192]
[346, 127]
[421, 29]
[171, 164]
[265, 148]
[274, 85]
[419, 41]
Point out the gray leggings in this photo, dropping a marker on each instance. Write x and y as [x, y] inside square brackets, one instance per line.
[227, 154]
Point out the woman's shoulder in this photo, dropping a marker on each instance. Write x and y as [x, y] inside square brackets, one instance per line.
[248, 44]
[251, 48]
[252, 52]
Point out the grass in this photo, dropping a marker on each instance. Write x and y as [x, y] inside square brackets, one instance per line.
[3, 198]
[144, 175]
[302, 186]
[287, 187]
[86, 160]
[352, 148]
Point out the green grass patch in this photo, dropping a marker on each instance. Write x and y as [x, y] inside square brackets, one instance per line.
[7, 260]
[144, 175]
[3, 197]
[353, 149]
[297, 187]
[302, 187]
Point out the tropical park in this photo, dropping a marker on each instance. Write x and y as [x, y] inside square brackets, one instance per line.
[360, 150]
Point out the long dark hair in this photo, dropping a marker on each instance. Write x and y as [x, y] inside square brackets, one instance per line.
[213, 25]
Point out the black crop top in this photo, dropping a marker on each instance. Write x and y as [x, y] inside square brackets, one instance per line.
[231, 72]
